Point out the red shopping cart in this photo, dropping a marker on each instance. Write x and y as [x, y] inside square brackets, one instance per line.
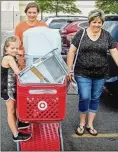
[44, 106]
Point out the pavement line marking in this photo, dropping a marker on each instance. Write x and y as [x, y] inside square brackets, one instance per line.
[99, 135]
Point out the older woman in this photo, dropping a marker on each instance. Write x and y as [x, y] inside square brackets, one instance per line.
[32, 10]
[91, 68]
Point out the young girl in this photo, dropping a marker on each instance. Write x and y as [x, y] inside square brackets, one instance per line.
[9, 69]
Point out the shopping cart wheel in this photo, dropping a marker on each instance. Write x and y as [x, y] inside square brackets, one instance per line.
[61, 138]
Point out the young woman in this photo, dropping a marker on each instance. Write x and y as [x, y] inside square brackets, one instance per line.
[32, 10]
[91, 68]
[9, 69]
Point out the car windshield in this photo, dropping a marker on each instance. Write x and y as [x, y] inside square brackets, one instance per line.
[112, 28]
[56, 25]
[59, 23]
[83, 24]
[114, 33]
[109, 25]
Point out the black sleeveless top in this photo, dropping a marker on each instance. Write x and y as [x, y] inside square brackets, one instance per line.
[8, 80]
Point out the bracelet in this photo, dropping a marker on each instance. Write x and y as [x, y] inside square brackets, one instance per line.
[71, 72]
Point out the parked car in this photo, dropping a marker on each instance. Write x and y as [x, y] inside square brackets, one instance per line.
[111, 25]
[68, 31]
[56, 22]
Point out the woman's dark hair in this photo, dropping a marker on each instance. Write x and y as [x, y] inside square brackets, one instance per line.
[30, 5]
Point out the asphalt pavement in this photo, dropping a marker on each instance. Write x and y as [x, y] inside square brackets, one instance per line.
[106, 123]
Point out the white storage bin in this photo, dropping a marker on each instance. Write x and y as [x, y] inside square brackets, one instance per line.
[39, 41]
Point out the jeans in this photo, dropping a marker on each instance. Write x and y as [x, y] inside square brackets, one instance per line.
[89, 90]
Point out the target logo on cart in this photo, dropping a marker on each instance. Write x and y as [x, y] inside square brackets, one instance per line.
[42, 105]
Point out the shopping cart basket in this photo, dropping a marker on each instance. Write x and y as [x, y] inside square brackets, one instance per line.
[44, 106]
[41, 102]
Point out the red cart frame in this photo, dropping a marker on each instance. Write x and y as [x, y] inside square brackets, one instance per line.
[44, 106]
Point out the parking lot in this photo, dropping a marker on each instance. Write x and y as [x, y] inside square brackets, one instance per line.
[106, 123]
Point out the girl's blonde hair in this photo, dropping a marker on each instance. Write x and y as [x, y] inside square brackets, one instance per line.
[7, 42]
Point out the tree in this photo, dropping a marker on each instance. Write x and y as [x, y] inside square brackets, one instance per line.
[108, 6]
[50, 6]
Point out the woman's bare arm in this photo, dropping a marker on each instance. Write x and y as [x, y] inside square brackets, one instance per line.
[70, 56]
[114, 54]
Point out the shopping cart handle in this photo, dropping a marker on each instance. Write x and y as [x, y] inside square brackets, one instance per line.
[43, 91]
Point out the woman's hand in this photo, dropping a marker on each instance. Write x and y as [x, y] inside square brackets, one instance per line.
[70, 75]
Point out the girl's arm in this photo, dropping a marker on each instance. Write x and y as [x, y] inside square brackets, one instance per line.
[12, 63]
[114, 54]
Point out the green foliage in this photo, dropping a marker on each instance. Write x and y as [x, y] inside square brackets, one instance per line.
[108, 6]
[65, 6]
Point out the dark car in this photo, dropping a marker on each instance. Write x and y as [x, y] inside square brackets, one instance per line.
[111, 25]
